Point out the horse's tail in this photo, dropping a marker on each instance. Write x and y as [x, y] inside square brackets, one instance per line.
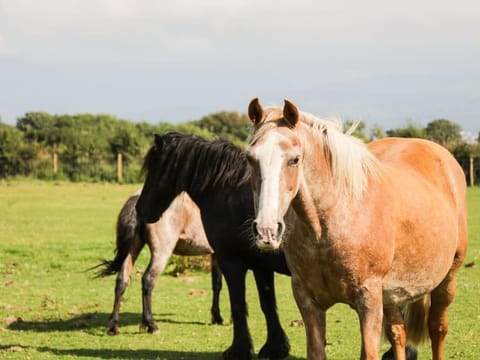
[129, 235]
[416, 317]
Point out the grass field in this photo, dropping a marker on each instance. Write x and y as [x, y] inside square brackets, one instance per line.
[51, 309]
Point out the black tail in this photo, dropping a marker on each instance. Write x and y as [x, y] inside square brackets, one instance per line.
[128, 232]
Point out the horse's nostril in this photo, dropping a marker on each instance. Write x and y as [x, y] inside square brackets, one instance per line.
[254, 228]
[280, 229]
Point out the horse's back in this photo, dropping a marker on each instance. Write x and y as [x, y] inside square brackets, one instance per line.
[424, 166]
[424, 160]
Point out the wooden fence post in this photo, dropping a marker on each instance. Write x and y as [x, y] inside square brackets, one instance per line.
[119, 167]
[55, 162]
[472, 175]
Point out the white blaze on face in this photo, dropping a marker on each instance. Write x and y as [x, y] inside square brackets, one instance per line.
[270, 160]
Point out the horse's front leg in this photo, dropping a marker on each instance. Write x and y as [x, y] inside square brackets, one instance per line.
[369, 306]
[216, 288]
[441, 297]
[276, 346]
[314, 318]
[234, 273]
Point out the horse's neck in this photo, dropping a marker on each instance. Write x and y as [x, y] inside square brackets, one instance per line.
[219, 196]
[318, 198]
[306, 211]
[313, 203]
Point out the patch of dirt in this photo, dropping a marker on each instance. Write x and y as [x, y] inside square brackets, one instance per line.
[10, 320]
[296, 323]
[14, 348]
[197, 292]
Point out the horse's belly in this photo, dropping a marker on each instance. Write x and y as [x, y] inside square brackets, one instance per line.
[412, 278]
[192, 247]
[399, 294]
[424, 250]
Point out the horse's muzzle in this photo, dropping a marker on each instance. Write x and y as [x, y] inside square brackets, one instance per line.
[268, 238]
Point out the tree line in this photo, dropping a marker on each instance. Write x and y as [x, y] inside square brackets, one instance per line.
[87, 145]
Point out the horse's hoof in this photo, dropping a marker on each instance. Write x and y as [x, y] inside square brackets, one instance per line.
[217, 320]
[276, 347]
[280, 353]
[113, 330]
[237, 354]
[274, 351]
[112, 327]
[154, 331]
[150, 328]
[410, 354]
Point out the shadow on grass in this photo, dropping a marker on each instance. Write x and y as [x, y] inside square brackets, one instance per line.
[125, 354]
[91, 321]
[130, 354]
[95, 323]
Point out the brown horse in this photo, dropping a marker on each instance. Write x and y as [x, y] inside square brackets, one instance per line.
[179, 231]
[380, 227]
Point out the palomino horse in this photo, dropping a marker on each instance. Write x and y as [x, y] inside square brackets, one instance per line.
[216, 176]
[379, 227]
[179, 231]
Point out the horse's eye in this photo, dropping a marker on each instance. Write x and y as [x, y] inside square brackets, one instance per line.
[294, 161]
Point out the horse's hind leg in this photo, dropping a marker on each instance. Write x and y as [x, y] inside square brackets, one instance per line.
[216, 287]
[161, 250]
[443, 295]
[276, 346]
[441, 298]
[121, 285]
[395, 331]
[396, 334]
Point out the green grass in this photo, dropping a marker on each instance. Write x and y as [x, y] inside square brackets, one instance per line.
[51, 309]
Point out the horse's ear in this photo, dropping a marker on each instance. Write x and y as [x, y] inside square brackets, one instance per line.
[255, 111]
[158, 141]
[290, 113]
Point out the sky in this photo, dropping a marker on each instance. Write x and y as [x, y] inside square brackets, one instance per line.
[385, 62]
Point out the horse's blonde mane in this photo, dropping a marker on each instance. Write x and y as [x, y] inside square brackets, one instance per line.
[350, 160]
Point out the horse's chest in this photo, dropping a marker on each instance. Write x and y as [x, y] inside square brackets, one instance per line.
[321, 270]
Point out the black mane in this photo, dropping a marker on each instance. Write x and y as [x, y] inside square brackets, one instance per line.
[196, 164]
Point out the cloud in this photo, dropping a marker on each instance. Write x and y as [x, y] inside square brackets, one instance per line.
[170, 31]
[5, 47]
[370, 56]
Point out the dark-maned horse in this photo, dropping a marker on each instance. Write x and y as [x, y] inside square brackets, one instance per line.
[179, 231]
[216, 176]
